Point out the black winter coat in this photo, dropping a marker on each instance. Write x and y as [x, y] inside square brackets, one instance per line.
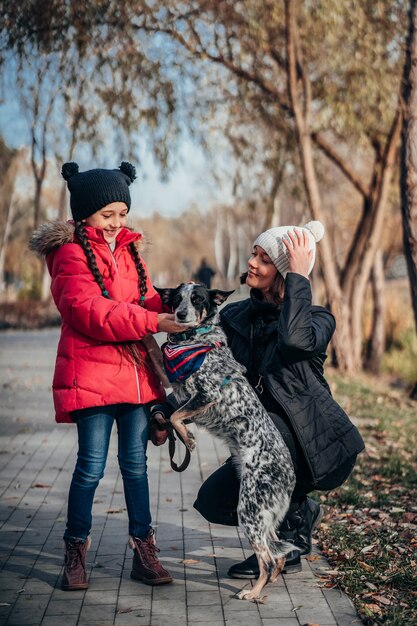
[287, 359]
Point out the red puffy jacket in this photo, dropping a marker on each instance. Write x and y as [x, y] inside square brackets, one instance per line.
[91, 368]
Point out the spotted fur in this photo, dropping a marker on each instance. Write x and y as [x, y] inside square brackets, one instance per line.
[219, 398]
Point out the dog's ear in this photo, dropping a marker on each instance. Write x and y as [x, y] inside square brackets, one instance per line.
[165, 293]
[217, 296]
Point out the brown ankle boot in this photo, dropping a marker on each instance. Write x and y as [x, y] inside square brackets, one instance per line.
[146, 566]
[75, 575]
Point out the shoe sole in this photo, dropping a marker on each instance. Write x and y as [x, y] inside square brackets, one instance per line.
[74, 587]
[150, 581]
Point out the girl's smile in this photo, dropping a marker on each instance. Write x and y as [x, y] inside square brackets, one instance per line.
[111, 219]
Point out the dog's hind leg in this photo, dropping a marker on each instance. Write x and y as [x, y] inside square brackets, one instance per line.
[267, 567]
[194, 406]
[279, 566]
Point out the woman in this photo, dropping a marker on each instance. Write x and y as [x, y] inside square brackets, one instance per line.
[281, 339]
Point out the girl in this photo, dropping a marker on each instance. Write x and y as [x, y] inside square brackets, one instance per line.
[103, 374]
[281, 339]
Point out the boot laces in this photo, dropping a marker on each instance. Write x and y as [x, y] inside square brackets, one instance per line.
[151, 549]
[73, 554]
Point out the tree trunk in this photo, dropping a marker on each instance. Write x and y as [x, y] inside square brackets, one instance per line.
[409, 158]
[62, 202]
[5, 240]
[373, 238]
[37, 202]
[233, 249]
[376, 345]
[341, 340]
[219, 244]
[273, 208]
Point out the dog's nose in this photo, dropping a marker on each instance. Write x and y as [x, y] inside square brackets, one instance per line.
[181, 315]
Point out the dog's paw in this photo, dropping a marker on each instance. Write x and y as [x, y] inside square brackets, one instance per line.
[251, 596]
[190, 442]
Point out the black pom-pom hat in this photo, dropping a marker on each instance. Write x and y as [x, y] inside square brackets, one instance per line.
[92, 190]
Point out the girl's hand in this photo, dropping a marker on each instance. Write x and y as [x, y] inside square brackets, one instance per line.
[167, 324]
[299, 256]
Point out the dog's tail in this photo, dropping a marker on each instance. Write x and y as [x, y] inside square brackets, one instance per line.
[280, 549]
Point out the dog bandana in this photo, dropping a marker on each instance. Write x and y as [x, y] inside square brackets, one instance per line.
[182, 361]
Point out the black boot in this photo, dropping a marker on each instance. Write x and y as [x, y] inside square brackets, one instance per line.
[299, 524]
[250, 569]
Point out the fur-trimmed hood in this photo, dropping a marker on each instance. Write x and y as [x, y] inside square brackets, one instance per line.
[53, 235]
[50, 236]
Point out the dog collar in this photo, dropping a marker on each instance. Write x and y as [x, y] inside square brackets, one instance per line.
[187, 334]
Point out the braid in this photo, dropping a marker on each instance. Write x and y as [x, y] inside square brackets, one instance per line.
[91, 259]
[128, 348]
[141, 273]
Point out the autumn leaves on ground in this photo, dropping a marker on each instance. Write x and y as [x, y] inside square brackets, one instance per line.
[369, 530]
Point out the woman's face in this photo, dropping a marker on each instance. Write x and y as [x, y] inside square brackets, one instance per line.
[111, 219]
[261, 271]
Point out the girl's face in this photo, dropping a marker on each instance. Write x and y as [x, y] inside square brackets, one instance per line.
[111, 219]
[262, 273]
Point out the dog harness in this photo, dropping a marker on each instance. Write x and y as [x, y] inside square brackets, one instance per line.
[182, 361]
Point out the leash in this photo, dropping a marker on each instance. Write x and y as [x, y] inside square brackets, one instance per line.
[163, 424]
[171, 450]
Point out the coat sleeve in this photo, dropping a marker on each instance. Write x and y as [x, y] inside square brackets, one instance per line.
[82, 305]
[304, 331]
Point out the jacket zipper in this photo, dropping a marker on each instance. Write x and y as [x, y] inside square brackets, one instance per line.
[259, 389]
[114, 260]
[134, 366]
[274, 395]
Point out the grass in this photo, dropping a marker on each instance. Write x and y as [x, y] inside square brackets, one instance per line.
[369, 531]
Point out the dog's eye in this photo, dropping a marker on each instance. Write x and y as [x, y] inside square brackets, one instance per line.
[196, 299]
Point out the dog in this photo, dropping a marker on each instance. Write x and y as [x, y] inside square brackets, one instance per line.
[212, 391]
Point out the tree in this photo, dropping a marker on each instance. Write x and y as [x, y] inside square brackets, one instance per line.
[282, 66]
[8, 167]
[409, 155]
[409, 160]
[247, 39]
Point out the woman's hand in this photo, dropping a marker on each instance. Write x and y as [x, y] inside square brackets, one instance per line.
[299, 256]
[167, 324]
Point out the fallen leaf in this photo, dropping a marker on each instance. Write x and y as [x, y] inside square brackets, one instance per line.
[370, 609]
[111, 511]
[189, 561]
[371, 586]
[382, 600]
[129, 610]
[365, 566]
[313, 557]
[368, 548]
[40, 486]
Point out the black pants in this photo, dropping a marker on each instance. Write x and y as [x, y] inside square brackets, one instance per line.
[218, 496]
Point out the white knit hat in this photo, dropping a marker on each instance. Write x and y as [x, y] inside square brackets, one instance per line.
[271, 242]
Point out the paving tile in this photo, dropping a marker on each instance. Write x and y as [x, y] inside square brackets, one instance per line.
[51, 620]
[69, 606]
[105, 613]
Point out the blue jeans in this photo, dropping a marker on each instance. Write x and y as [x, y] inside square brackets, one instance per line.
[94, 429]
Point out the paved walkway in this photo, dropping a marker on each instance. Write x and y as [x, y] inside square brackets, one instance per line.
[35, 470]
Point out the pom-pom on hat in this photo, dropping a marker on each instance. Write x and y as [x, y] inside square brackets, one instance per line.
[92, 190]
[271, 242]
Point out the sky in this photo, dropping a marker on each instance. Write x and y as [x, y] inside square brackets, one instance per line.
[190, 182]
